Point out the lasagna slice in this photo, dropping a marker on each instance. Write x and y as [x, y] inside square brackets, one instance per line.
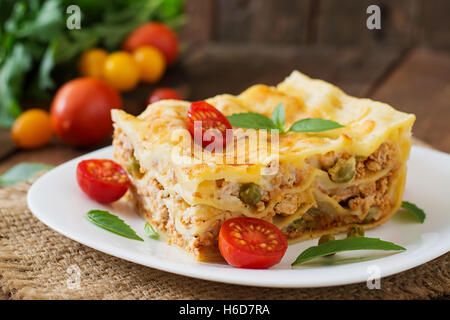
[324, 182]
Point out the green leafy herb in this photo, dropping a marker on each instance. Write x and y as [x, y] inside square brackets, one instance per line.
[358, 243]
[314, 125]
[37, 50]
[22, 172]
[415, 210]
[12, 76]
[253, 120]
[278, 117]
[112, 223]
[150, 231]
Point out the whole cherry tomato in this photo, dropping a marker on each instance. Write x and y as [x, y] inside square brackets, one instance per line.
[251, 243]
[92, 63]
[150, 62]
[32, 129]
[210, 118]
[154, 34]
[163, 94]
[81, 111]
[103, 180]
[121, 71]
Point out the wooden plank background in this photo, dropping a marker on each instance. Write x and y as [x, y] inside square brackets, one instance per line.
[299, 22]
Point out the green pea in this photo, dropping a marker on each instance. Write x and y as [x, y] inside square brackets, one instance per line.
[327, 238]
[360, 158]
[355, 231]
[250, 193]
[295, 224]
[134, 168]
[310, 224]
[343, 170]
[370, 215]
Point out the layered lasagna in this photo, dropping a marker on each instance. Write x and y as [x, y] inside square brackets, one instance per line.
[324, 182]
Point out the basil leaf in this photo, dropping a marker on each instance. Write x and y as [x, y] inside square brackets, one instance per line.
[22, 172]
[112, 223]
[357, 243]
[251, 120]
[278, 117]
[415, 210]
[150, 231]
[314, 125]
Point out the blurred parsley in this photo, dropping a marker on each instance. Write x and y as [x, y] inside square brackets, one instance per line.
[36, 48]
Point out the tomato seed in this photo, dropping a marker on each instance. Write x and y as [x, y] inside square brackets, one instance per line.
[237, 235]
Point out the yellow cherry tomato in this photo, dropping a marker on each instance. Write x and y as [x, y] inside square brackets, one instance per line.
[92, 63]
[151, 63]
[32, 129]
[121, 71]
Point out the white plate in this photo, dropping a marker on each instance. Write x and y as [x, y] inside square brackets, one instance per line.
[57, 201]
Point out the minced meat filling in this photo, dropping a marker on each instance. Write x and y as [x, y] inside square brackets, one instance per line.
[368, 201]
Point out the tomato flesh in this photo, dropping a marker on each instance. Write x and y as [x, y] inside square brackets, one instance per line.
[210, 118]
[103, 180]
[251, 243]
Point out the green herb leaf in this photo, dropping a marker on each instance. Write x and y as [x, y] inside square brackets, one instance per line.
[37, 49]
[150, 231]
[415, 210]
[358, 243]
[47, 63]
[314, 125]
[22, 172]
[112, 223]
[251, 120]
[278, 117]
[12, 76]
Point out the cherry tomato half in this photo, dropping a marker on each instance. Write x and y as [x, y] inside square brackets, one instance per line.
[251, 243]
[163, 94]
[210, 118]
[103, 180]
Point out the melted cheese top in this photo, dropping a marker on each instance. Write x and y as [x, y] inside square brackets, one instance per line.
[159, 134]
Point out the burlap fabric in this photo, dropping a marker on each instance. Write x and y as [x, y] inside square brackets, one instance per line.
[36, 263]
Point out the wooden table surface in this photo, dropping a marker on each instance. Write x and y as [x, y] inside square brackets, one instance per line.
[415, 80]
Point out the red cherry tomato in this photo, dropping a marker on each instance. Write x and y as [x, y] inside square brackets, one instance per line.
[251, 243]
[210, 118]
[81, 111]
[163, 94]
[154, 34]
[103, 180]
